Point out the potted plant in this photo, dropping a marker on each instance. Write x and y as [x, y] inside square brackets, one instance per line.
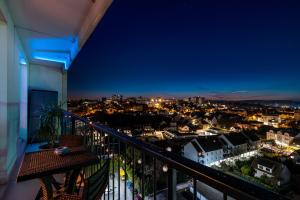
[50, 124]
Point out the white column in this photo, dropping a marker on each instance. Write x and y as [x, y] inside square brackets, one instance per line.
[3, 100]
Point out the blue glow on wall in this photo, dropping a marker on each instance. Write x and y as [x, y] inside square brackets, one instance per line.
[60, 50]
[64, 62]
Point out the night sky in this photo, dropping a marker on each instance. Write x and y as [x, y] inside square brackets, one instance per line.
[175, 48]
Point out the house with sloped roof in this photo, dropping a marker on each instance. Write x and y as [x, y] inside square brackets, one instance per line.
[235, 143]
[277, 172]
[253, 140]
[295, 156]
[283, 136]
[204, 150]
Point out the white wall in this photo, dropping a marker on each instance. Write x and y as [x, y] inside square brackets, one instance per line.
[3, 99]
[11, 76]
[49, 78]
[190, 152]
[16, 77]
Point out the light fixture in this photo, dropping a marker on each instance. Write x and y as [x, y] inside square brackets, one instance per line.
[165, 168]
[169, 149]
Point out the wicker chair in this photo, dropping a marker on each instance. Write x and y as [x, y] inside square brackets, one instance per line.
[94, 186]
[71, 141]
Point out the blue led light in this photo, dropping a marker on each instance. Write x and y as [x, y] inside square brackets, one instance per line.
[53, 60]
[60, 50]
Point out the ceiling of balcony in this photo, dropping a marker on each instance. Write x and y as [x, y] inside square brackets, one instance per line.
[53, 31]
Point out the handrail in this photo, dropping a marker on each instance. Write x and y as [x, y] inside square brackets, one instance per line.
[230, 185]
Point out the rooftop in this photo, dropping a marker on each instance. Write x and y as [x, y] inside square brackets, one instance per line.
[209, 143]
[236, 138]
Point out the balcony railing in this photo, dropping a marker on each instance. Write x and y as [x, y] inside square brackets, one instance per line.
[139, 168]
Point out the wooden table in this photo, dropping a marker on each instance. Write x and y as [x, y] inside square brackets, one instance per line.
[44, 164]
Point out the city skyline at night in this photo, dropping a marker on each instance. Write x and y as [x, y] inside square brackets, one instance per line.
[232, 51]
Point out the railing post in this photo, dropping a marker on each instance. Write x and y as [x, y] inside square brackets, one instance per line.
[195, 188]
[172, 179]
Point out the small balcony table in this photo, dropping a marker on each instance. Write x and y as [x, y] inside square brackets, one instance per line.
[43, 164]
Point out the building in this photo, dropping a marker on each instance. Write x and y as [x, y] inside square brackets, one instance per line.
[204, 150]
[297, 115]
[197, 100]
[177, 135]
[184, 129]
[295, 156]
[205, 125]
[296, 142]
[278, 173]
[236, 143]
[172, 126]
[253, 140]
[270, 120]
[283, 136]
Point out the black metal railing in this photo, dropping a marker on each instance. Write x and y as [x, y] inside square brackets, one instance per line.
[165, 171]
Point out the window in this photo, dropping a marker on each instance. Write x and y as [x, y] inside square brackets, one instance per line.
[268, 169]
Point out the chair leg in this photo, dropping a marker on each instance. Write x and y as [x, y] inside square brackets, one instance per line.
[81, 176]
[46, 188]
[56, 184]
[39, 194]
[72, 181]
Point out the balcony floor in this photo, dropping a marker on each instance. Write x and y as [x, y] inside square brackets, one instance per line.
[25, 190]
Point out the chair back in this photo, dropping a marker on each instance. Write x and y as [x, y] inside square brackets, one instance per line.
[94, 186]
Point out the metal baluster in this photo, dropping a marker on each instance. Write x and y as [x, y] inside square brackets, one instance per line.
[73, 126]
[224, 196]
[133, 172]
[125, 157]
[154, 179]
[113, 167]
[119, 169]
[143, 177]
[108, 157]
[103, 154]
[100, 146]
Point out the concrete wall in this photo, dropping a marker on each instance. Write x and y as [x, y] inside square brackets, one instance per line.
[49, 78]
[13, 76]
[16, 77]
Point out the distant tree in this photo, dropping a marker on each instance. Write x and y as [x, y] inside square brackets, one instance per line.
[266, 180]
[246, 170]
